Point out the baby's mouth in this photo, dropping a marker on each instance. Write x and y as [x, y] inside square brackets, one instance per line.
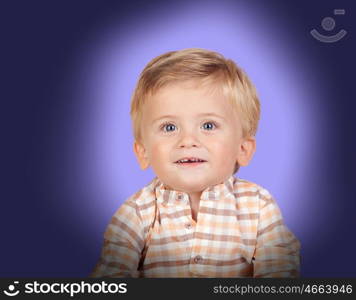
[190, 161]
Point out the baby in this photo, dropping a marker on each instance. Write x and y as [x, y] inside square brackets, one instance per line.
[195, 116]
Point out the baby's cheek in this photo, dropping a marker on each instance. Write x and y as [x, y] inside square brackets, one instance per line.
[159, 152]
[226, 154]
[223, 147]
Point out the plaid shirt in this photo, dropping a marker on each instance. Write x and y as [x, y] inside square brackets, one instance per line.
[239, 233]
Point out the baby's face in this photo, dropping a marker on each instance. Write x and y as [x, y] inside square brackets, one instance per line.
[181, 123]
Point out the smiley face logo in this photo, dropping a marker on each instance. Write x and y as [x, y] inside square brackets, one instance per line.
[328, 24]
[12, 291]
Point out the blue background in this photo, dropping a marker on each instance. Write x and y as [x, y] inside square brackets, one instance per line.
[68, 70]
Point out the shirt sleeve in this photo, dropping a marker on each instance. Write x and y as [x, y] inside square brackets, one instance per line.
[277, 249]
[123, 244]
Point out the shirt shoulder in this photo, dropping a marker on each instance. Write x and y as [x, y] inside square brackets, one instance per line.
[144, 196]
[252, 192]
[142, 203]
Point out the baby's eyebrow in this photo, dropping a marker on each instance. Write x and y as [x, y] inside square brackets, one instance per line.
[199, 115]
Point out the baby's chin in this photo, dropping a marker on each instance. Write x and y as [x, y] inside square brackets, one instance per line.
[187, 186]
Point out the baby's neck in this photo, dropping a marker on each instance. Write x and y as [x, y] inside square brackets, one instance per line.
[194, 200]
[194, 197]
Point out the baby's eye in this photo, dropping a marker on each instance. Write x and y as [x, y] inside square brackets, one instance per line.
[169, 127]
[209, 126]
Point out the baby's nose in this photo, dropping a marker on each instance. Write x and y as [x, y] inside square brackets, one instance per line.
[188, 139]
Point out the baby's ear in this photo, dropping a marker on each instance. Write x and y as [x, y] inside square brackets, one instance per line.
[246, 151]
[141, 155]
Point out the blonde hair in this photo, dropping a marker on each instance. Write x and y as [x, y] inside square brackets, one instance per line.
[206, 67]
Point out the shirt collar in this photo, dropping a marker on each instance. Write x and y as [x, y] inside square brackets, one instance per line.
[168, 196]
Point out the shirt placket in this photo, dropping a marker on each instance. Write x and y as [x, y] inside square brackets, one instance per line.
[189, 224]
[196, 265]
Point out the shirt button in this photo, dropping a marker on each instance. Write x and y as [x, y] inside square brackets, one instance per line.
[180, 196]
[188, 225]
[198, 259]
